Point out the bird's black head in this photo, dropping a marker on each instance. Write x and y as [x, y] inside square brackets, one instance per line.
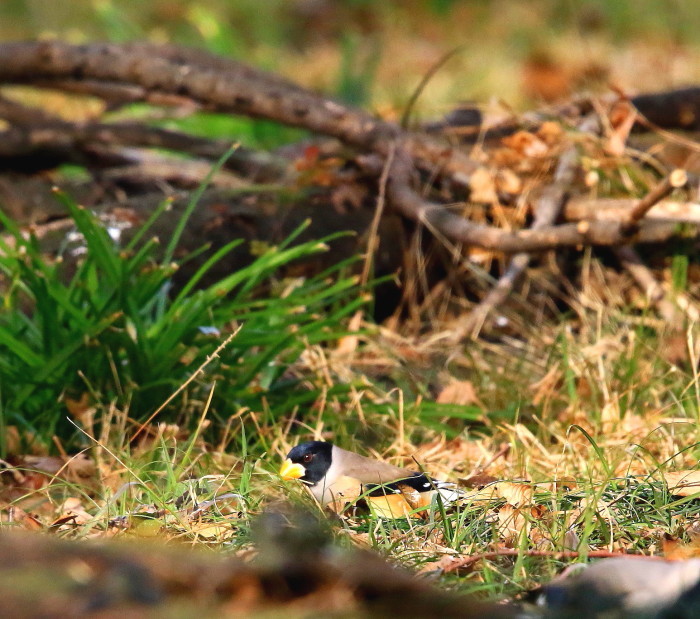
[315, 458]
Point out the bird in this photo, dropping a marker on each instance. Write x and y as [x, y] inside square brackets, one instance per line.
[336, 477]
[629, 586]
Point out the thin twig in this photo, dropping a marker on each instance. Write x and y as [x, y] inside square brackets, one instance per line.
[406, 116]
[549, 207]
[373, 239]
[630, 260]
[466, 562]
[194, 375]
[676, 179]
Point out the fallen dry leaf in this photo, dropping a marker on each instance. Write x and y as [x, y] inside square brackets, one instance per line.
[677, 550]
[17, 516]
[515, 493]
[683, 483]
[444, 563]
[459, 392]
[81, 408]
[73, 512]
[622, 117]
[518, 494]
[550, 132]
[563, 485]
[62, 520]
[511, 524]
[538, 512]
[482, 185]
[527, 144]
[213, 530]
[17, 442]
[544, 77]
[509, 182]
[347, 345]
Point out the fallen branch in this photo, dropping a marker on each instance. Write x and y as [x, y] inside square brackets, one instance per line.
[467, 562]
[224, 86]
[150, 168]
[456, 228]
[675, 180]
[615, 209]
[34, 132]
[228, 86]
[675, 109]
[548, 208]
[656, 112]
[193, 79]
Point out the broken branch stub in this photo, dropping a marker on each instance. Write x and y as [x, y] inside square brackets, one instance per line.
[675, 180]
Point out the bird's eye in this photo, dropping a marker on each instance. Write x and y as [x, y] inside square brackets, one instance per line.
[307, 458]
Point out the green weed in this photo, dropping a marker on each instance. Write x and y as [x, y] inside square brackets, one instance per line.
[116, 329]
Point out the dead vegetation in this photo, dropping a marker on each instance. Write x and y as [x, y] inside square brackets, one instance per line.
[495, 199]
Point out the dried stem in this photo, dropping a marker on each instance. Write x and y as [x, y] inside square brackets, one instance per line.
[631, 261]
[675, 180]
[467, 562]
[549, 206]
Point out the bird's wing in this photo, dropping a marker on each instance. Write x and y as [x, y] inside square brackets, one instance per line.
[392, 491]
[367, 470]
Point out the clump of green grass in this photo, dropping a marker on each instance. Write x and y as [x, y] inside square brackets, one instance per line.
[116, 329]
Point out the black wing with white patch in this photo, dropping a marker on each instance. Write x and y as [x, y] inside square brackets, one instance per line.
[419, 482]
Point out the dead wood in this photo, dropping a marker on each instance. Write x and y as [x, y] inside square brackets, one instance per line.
[34, 133]
[229, 86]
[675, 180]
[675, 109]
[117, 153]
[549, 207]
[440, 219]
[235, 89]
[615, 209]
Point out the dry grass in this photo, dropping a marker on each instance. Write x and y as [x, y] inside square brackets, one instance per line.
[581, 422]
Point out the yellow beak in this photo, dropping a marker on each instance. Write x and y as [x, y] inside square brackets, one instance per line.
[291, 470]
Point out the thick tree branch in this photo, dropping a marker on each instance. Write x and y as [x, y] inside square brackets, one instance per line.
[224, 86]
[616, 209]
[229, 86]
[677, 109]
[456, 228]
